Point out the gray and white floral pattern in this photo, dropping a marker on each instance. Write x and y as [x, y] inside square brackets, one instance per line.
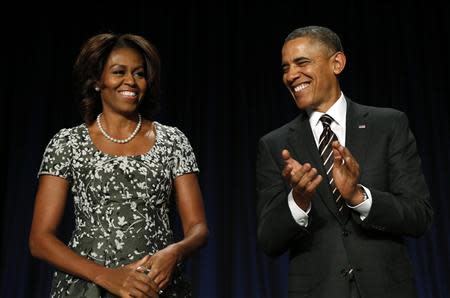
[121, 202]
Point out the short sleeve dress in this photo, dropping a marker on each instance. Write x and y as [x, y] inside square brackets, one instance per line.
[121, 202]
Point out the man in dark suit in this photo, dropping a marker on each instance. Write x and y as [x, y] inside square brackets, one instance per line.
[340, 184]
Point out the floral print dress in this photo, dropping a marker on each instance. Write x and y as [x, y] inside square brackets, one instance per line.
[121, 202]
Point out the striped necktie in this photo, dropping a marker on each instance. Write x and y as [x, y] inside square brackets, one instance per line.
[326, 153]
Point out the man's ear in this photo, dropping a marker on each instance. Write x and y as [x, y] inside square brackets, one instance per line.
[339, 61]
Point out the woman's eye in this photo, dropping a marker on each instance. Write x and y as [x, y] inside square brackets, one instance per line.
[139, 74]
[118, 72]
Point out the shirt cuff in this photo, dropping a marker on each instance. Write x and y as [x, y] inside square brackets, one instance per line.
[363, 208]
[300, 216]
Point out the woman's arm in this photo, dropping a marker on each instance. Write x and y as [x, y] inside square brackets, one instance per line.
[51, 198]
[190, 207]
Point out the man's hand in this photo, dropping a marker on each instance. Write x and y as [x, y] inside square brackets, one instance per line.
[346, 174]
[303, 179]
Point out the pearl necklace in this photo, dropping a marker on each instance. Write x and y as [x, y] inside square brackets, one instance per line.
[120, 141]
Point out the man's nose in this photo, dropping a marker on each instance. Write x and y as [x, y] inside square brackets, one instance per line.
[292, 74]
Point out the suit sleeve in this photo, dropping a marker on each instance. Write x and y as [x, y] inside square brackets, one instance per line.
[276, 226]
[405, 208]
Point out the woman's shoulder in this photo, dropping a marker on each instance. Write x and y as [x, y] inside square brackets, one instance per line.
[171, 136]
[169, 132]
[67, 135]
[67, 131]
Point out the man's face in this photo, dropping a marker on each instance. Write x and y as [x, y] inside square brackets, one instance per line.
[309, 73]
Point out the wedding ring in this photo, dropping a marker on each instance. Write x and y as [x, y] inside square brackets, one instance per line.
[160, 292]
[143, 269]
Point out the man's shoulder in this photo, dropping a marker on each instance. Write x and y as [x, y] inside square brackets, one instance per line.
[280, 132]
[378, 113]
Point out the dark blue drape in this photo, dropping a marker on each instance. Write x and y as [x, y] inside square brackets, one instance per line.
[222, 87]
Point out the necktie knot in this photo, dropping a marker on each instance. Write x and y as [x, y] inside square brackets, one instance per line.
[326, 120]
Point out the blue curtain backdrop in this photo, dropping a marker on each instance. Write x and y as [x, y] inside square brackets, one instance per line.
[222, 86]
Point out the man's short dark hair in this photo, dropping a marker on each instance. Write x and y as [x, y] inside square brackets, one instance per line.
[322, 34]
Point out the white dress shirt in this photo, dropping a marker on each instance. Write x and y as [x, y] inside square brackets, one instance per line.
[338, 111]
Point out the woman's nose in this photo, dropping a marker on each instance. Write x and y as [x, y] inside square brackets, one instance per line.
[129, 79]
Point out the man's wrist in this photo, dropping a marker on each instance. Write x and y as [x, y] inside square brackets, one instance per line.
[364, 194]
[359, 196]
[301, 201]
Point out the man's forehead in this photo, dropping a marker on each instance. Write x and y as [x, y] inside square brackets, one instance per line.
[303, 46]
[304, 41]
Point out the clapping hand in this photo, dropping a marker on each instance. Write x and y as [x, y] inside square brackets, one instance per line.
[346, 174]
[304, 179]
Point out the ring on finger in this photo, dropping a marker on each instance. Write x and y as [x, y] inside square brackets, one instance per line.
[143, 269]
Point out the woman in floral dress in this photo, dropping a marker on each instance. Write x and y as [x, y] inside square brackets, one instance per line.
[121, 167]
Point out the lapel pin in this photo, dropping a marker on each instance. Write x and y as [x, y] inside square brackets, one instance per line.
[362, 126]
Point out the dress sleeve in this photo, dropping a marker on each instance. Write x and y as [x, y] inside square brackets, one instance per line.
[183, 155]
[57, 156]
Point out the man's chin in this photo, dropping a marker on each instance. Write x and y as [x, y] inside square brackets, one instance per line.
[301, 103]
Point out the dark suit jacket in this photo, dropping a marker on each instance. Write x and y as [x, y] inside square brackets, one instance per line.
[331, 250]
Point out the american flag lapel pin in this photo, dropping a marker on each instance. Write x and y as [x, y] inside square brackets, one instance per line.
[362, 126]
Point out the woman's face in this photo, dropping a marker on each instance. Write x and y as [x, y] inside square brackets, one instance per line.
[123, 81]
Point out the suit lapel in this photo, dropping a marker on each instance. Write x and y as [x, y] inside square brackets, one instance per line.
[303, 147]
[301, 141]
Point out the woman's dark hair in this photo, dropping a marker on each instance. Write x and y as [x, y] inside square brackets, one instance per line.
[89, 66]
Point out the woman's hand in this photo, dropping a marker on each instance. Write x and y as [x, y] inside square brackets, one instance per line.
[190, 208]
[162, 264]
[127, 281]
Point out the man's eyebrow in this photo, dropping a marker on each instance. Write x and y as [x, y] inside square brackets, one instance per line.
[301, 59]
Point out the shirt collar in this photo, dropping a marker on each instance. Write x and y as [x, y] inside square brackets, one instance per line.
[338, 111]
